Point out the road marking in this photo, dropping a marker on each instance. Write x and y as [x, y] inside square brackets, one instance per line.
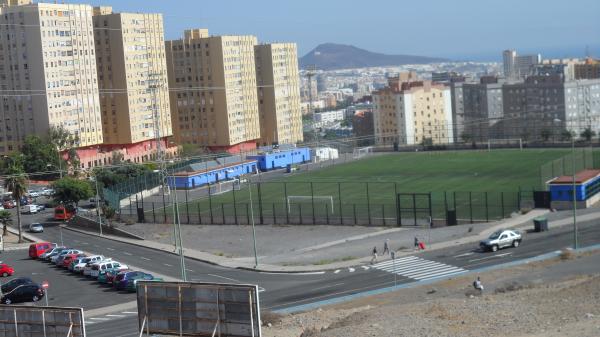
[337, 271]
[351, 270]
[109, 248]
[418, 268]
[225, 278]
[261, 289]
[100, 318]
[144, 258]
[114, 315]
[365, 267]
[490, 257]
[129, 312]
[189, 270]
[127, 253]
[168, 265]
[329, 286]
[465, 254]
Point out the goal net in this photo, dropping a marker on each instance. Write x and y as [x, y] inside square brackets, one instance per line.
[505, 143]
[307, 199]
[362, 151]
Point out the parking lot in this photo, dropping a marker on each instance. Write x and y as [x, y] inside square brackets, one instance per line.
[65, 288]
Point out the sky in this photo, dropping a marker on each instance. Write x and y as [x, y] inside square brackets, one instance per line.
[457, 29]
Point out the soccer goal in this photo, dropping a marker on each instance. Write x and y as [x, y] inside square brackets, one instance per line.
[306, 199]
[362, 151]
[510, 142]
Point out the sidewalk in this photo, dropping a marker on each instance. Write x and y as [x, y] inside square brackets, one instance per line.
[332, 254]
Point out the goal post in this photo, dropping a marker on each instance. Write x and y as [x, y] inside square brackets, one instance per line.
[362, 151]
[505, 141]
[305, 199]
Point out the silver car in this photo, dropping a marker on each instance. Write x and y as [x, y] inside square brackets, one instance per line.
[501, 239]
[36, 228]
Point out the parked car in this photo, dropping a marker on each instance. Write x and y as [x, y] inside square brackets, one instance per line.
[49, 253]
[69, 258]
[30, 292]
[29, 209]
[8, 204]
[6, 270]
[40, 207]
[75, 262]
[33, 194]
[501, 239]
[36, 227]
[90, 260]
[104, 265]
[126, 280]
[107, 276]
[58, 259]
[47, 192]
[12, 284]
[39, 249]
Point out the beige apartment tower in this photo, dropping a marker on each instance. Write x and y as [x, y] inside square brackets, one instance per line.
[47, 72]
[278, 93]
[409, 112]
[132, 74]
[213, 91]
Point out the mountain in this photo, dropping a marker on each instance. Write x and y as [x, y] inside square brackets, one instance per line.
[330, 56]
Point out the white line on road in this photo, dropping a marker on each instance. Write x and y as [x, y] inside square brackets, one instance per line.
[365, 267]
[191, 271]
[490, 257]
[113, 315]
[129, 312]
[351, 270]
[329, 286]
[85, 243]
[261, 289]
[110, 248]
[337, 271]
[144, 258]
[100, 318]
[127, 253]
[223, 277]
[168, 265]
[465, 254]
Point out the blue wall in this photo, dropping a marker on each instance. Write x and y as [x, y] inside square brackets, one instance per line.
[564, 192]
[213, 176]
[278, 160]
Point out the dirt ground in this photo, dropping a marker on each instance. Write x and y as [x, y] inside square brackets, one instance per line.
[557, 298]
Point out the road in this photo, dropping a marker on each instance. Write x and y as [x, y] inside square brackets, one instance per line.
[279, 291]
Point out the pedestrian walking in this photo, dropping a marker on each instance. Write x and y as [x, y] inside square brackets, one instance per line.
[416, 243]
[478, 285]
[386, 247]
[374, 258]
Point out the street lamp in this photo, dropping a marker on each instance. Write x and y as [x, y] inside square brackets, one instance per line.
[575, 239]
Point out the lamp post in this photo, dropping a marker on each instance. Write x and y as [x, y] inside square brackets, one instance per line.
[98, 204]
[574, 185]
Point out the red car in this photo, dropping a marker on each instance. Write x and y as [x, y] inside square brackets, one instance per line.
[8, 204]
[69, 258]
[6, 270]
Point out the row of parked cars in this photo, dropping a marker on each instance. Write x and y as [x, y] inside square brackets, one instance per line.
[104, 270]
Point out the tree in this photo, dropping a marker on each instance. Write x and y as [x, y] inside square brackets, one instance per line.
[588, 134]
[545, 134]
[566, 135]
[69, 190]
[466, 137]
[73, 161]
[63, 140]
[40, 156]
[5, 218]
[16, 183]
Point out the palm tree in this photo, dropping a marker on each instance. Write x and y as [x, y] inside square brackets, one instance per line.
[16, 183]
[5, 217]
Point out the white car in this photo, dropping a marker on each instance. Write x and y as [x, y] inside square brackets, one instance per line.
[47, 192]
[79, 267]
[501, 239]
[33, 194]
[103, 265]
[87, 270]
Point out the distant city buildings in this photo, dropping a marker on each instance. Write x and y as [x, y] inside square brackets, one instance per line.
[519, 66]
[410, 111]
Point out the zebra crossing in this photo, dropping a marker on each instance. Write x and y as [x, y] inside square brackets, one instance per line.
[418, 268]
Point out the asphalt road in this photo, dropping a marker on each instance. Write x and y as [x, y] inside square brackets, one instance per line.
[279, 291]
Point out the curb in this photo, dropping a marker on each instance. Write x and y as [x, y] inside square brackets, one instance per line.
[315, 305]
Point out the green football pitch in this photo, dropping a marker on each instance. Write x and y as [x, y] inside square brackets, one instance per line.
[477, 184]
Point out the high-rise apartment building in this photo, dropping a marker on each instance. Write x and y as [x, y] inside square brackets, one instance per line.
[278, 93]
[132, 73]
[483, 108]
[214, 98]
[409, 111]
[590, 69]
[519, 66]
[47, 72]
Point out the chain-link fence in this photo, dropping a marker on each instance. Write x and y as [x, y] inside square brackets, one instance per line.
[580, 159]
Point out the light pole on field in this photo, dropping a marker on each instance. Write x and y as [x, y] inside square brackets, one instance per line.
[574, 185]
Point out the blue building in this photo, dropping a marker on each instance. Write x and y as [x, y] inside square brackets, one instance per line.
[587, 186]
[279, 159]
[211, 173]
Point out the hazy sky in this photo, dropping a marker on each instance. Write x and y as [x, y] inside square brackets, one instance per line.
[474, 29]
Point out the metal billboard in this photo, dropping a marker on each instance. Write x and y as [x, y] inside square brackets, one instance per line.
[30, 321]
[198, 309]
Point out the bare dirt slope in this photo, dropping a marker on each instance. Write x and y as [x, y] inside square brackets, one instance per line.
[546, 299]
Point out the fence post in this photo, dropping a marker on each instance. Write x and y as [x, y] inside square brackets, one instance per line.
[164, 205]
[247, 214]
[130, 204]
[398, 211]
[519, 199]
[340, 202]
[430, 211]
[471, 205]
[354, 212]
[199, 214]
[300, 213]
[368, 204]
[487, 215]
[287, 211]
[502, 204]
[187, 206]
[454, 201]
[327, 213]
[312, 201]
[153, 213]
[260, 209]
[446, 206]
[212, 220]
[235, 206]
[383, 213]
[274, 216]
[223, 213]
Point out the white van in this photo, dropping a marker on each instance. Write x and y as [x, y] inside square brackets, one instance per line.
[29, 209]
[103, 265]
